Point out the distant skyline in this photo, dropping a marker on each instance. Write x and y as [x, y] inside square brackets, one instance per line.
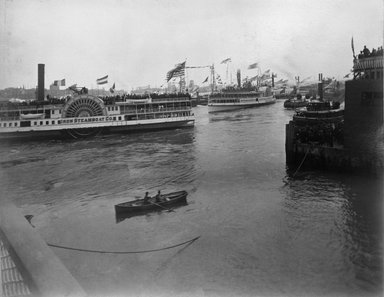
[136, 42]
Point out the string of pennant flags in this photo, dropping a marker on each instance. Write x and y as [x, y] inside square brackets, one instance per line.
[179, 70]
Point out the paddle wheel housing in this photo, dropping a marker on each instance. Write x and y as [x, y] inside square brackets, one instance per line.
[84, 106]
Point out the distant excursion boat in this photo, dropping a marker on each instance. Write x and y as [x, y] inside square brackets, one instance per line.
[139, 205]
[84, 115]
[239, 98]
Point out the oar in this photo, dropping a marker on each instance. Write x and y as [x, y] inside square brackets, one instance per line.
[166, 208]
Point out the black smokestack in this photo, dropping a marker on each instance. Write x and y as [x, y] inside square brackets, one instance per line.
[40, 82]
[238, 78]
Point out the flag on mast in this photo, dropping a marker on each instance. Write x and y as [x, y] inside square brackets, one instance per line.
[253, 66]
[178, 71]
[205, 80]
[226, 61]
[102, 80]
[59, 82]
[112, 90]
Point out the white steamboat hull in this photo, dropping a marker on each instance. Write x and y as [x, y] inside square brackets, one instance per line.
[68, 125]
[219, 107]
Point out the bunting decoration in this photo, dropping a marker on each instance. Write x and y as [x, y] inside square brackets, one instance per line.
[103, 80]
[59, 82]
[265, 76]
[226, 61]
[73, 87]
[267, 73]
[178, 71]
[218, 78]
[253, 78]
[253, 66]
[280, 81]
[112, 90]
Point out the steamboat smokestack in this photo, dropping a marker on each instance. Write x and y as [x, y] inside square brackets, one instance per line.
[238, 78]
[40, 82]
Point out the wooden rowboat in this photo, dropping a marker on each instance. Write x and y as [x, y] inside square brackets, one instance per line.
[139, 205]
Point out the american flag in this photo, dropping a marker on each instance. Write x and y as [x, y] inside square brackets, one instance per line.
[178, 71]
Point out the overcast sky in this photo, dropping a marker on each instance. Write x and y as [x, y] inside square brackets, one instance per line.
[137, 42]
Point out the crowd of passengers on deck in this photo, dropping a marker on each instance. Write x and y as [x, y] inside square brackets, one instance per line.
[51, 100]
[366, 53]
[123, 98]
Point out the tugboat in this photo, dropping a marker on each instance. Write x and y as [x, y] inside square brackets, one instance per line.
[297, 102]
[325, 135]
[318, 110]
[84, 115]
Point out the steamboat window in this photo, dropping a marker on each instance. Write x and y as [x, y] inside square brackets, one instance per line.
[119, 118]
[53, 122]
[15, 124]
[34, 123]
[114, 118]
[47, 122]
[41, 122]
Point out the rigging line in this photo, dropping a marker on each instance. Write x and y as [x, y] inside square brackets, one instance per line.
[298, 168]
[190, 67]
[123, 252]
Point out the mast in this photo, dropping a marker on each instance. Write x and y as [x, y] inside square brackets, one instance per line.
[213, 77]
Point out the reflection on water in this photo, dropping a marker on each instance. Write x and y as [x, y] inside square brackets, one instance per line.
[263, 233]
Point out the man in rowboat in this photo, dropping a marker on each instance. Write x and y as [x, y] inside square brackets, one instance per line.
[157, 197]
[146, 198]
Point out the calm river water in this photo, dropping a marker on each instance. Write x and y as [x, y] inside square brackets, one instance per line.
[261, 233]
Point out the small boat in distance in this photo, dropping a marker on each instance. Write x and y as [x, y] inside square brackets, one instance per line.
[164, 202]
[299, 101]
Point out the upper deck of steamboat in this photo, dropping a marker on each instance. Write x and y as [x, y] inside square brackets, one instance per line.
[87, 105]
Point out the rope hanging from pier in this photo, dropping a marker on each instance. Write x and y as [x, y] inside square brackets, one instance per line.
[124, 252]
[298, 168]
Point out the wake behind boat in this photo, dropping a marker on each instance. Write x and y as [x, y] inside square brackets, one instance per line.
[164, 201]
